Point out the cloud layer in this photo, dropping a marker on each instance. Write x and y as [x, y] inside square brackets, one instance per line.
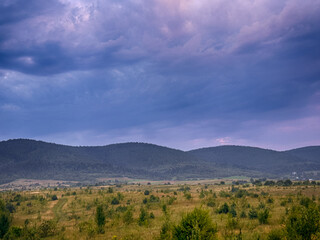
[186, 73]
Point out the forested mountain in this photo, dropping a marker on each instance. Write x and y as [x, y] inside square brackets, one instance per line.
[22, 158]
[267, 162]
[311, 153]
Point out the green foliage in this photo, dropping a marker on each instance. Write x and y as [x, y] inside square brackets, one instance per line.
[164, 208]
[166, 230]
[253, 214]
[263, 216]
[5, 222]
[223, 209]
[195, 225]
[233, 211]
[47, 228]
[143, 217]
[146, 192]
[128, 216]
[100, 218]
[243, 214]
[187, 195]
[306, 202]
[211, 202]
[13, 233]
[276, 234]
[303, 222]
[5, 219]
[171, 200]
[115, 201]
[270, 200]
[54, 197]
[154, 199]
[232, 223]
[202, 194]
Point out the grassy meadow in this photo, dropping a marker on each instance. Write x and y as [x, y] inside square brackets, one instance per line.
[143, 211]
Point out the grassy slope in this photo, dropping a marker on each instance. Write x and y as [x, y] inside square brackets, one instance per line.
[84, 203]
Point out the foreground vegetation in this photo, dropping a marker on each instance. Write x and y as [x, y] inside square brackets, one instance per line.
[258, 210]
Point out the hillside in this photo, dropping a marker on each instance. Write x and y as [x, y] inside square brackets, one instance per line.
[311, 153]
[22, 158]
[35, 159]
[268, 162]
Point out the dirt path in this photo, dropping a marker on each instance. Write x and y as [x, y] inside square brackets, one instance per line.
[57, 208]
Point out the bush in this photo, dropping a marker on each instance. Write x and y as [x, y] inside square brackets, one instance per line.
[253, 213]
[54, 197]
[154, 199]
[233, 211]
[47, 228]
[223, 209]
[13, 233]
[100, 218]
[263, 216]
[276, 234]
[187, 195]
[128, 216]
[243, 214]
[166, 230]
[211, 202]
[195, 225]
[115, 201]
[146, 192]
[303, 223]
[5, 219]
[143, 217]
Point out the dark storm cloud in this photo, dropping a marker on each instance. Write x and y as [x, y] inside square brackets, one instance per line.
[205, 70]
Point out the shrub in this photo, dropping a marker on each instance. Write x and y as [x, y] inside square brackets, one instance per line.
[115, 201]
[270, 200]
[47, 228]
[211, 202]
[232, 223]
[233, 211]
[223, 209]
[128, 216]
[305, 201]
[100, 218]
[263, 216]
[146, 192]
[166, 230]
[303, 223]
[5, 219]
[243, 214]
[143, 217]
[187, 195]
[275, 234]
[154, 199]
[195, 225]
[54, 197]
[202, 195]
[13, 233]
[252, 213]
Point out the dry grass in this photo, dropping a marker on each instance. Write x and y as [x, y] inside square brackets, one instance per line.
[75, 208]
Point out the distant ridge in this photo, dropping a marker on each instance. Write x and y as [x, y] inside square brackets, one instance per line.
[25, 158]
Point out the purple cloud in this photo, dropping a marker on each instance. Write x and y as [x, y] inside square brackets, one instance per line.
[69, 67]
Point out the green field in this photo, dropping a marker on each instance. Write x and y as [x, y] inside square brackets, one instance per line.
[231, 208]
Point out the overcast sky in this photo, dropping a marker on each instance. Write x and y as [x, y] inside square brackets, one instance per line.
[179, 73]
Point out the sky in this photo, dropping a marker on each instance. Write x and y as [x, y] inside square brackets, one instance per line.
[180, 73]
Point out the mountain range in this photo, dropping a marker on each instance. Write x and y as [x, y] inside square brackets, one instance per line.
[30, 159]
